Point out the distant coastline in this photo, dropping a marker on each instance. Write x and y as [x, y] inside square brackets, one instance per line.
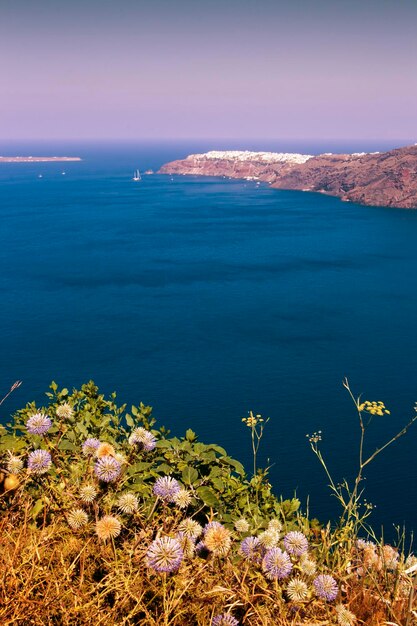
[36, 159]
[374, 178]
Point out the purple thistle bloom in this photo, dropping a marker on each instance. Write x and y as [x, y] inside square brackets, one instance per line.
[165, 555]
[296, 543]
[210, 525]
[326, 587]
[90, 445]
[107, 468]
[276, 564]
[201, 549]
[252, 549]
[39, 461]
[38, 424]
[166, 488]
[143, 438]
[225, 619]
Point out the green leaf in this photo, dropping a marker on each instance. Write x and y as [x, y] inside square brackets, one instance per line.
[190, 435]
[37, 508]
[208, 496]
[189, 475]
[64, 444]
[129, 421]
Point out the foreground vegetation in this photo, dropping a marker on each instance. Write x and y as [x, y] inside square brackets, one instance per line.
[106, 519]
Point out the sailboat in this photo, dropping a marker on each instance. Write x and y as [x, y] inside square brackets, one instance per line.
[136, 175]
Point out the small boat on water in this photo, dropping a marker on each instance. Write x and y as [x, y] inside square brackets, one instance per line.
[136, 175]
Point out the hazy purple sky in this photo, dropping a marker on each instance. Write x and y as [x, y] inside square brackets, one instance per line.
[299, 69]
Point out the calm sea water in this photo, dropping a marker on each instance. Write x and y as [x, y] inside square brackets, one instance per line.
[207, 298]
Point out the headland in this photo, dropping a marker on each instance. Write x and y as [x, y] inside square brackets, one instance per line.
[370, 178]
[36, 159]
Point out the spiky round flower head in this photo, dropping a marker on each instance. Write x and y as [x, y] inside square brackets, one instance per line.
[200, 549]
[107, 469]
[65, 411]
[183, 498]
[88, 493]
[307, 566]
[77, 518]
[389, 557]
[295, 543]
[166, 488]
[242, 525]
[326, 587]
[186, 543]
[252, 549]
[14, 464]
[164, 554]
[105, 449]
[225, 619]
[217, 539]
[39, 461]
[344, 616]
[90, 446]
[190, 528]
[108, 527]
[209, 525]
[120, 458]
[128, 503]
[142, 438]
[269, 538]
[38, 424]
[297, 590]
[276, 564]
[275, 524]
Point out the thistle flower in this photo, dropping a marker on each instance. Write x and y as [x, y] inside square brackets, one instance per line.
[164, 554]
[217, 539]
[275, 524]
[90, 446]
[38, 424]
[120, 458]
[269, 538]
[209, 525]
[107, 469]
[105, 449]
[307, 566]
[108, 527]
[276, 564]
[225, 619]
[325, 587]
[182, 498]
[190, 528]
[128, 503]
[186, 543]
[65, 411]
[166, 488]
[242, 525]
[295, 543]
[201, 549]
[344, 616]
[143, 438]
[252, 549]
[88, 493]
[77, 518]
[14, 464]
[389, 557]
[39, 461]
[297, 590]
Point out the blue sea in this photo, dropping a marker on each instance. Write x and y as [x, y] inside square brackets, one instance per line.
[207, 298]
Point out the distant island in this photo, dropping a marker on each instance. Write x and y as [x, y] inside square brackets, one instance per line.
[370, 178]
[36, 159]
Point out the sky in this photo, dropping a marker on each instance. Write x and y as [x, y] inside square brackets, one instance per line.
[170, 69]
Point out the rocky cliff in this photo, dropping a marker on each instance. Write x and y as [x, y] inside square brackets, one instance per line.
[381, 179]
